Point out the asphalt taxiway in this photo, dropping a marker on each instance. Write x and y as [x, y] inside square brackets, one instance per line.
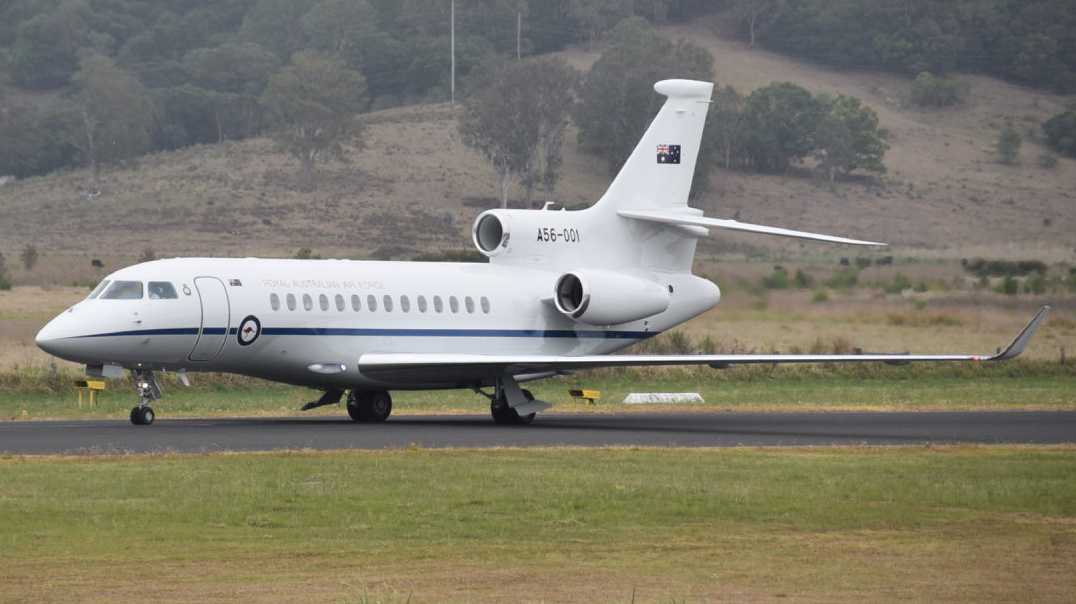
[701, 429]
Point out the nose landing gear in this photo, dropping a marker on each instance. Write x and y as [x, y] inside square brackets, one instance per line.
[149, 390]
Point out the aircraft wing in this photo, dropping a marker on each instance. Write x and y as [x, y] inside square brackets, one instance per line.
[439, 366]
[674, 218]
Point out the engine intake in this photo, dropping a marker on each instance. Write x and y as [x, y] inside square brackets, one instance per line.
[491, 234]
[607, 298]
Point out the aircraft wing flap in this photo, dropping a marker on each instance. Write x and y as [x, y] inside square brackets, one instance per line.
[673, 218]
[378, 365]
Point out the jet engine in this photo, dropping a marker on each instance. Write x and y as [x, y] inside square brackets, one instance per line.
[606, 298]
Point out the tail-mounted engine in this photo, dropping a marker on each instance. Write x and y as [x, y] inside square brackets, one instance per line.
[606, 298]
[530, 235]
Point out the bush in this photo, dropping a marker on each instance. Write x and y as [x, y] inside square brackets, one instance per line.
[1047, 161]
[29, 257]
[844, 279]
[931, 91]
[820, 297]
[1002, 268]
[776, 280]
[1061, 133]
[803, 280]
[1008, 145]
[1009, 287]
[1035, 284]
[899, 284]
[5, 284]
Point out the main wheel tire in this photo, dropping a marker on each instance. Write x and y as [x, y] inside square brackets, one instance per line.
[503, 415]
[353, 406]
[373, 407]
[142, 416]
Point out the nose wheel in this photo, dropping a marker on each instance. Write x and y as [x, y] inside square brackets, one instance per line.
[142, 416]
[149, 390]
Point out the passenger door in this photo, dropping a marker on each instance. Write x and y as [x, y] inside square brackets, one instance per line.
[216, 316]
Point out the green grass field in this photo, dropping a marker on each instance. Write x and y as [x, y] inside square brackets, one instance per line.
[1021, 385]
[962, 524]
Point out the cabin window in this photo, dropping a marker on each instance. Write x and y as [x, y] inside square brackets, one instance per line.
[405, 304]
[124, 290]
[340, 303]
[469, 303]
[274, 301]
[291, 301]
[438, 305]
[387, 300]
[454, 304]
[162, 290]
[355, 305]
[323, 302]
[485, 305]
[422, 304]
[371, 303]
[100, 288]
[308, 302]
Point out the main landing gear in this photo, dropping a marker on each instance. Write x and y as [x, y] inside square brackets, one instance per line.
[503, 415]
[369, 407]
[149, 390]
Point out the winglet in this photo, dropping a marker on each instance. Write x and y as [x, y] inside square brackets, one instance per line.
[1020, 343]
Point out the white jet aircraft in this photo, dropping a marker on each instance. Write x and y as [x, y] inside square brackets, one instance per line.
[562, 290]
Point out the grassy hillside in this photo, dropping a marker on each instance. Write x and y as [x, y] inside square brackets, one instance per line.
[414, 187]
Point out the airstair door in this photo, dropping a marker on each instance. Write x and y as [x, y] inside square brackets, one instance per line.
[216, 315]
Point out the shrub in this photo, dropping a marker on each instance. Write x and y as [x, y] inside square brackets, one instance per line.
[776, 280]
[899, 284]
[929, 90]
[1002, 268]
[5, 284]
[1047, 161]
[863, 262]
[803, 280]
[29, 257]
[1061, 133]
[844, 279]
[1008, 145]
[821, 296]
[1035, 284]
[1009, 287]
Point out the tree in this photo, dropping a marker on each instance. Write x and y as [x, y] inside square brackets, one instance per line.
[725, 131]
[313, 102]
[231, 78]
[595, 17]
[29, 257]
[1009, 143]
[849, 138]
[617, 101]
[931, 91]
[515, 117]
[5, 280]
[46, 49]
[1061, 133]
[781, 121]
[553, 84]
[757, 14]
[277, 25]
[34, 141]
[340, 28]
[114, 113]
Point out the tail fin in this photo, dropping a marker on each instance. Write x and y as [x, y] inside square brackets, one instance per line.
[659, 172]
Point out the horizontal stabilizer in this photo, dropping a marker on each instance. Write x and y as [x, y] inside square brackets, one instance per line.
[396, 366]
[674, 218]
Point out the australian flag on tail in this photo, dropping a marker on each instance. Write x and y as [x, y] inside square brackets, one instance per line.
[668, 154]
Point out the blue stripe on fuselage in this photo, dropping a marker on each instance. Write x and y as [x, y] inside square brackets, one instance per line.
[367, 332]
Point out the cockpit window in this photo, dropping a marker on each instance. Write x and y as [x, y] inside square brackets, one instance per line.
[162, 290]
[100, 288]
[124, 290]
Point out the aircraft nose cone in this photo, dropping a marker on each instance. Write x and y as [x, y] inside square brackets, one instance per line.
[46, 338]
